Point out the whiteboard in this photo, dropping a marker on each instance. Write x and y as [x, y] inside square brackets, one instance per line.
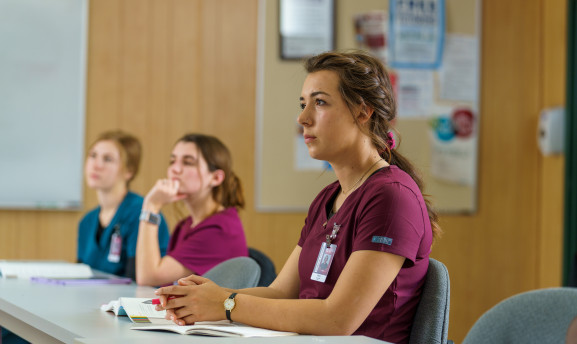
[42, 103]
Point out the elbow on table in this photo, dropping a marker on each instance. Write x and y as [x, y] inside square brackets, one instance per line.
[345, 329]
[336, 327]
[146, 280]
[140, 280]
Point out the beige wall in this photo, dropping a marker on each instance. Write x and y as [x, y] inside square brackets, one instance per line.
[159, 68]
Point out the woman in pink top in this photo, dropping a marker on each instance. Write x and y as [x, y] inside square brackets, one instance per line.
[362, 257]
[199, 174]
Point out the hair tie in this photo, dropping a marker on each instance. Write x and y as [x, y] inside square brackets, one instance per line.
[390, 140]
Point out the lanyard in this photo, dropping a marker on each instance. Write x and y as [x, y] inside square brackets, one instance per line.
[333, 235]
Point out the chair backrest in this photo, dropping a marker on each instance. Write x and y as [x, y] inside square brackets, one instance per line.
[431, 324]
[537, 316]
[235, 273]
[267, 269]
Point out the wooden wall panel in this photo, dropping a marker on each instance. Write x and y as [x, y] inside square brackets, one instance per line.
[503, 232]
[162, 68]
[552, 168]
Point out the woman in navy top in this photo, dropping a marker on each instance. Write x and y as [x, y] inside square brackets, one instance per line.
[362, 257]
[107, 235]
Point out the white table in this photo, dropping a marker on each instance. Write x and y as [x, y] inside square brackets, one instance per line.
[44, 313]
[178, 339]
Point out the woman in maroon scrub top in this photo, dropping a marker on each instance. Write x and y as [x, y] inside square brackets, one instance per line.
[200, 175]
[361, 260]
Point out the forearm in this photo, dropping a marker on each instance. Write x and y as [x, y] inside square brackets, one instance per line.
[362, 283]
[264, 292]
[147, 254]
[311, 316]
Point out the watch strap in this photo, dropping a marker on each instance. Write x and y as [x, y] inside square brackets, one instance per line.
[150, 217]
[228, 311]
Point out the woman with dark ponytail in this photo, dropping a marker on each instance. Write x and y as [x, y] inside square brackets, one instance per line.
[363, 254]
[200, 174]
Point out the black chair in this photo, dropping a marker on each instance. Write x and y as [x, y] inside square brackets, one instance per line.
[267, 269]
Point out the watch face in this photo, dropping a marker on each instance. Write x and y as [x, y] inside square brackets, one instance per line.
[229, 304]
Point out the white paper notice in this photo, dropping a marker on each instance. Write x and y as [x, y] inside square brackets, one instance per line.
[306, 27]
[414, 92]
[453, 137]
[459, 72]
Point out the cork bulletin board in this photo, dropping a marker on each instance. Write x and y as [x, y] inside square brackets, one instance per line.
[438, 112]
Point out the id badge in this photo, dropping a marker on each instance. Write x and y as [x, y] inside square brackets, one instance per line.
[324, 261]
[115, 247]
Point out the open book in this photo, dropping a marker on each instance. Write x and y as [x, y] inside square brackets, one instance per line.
[50, 269]
[139, 310]
[222, 328]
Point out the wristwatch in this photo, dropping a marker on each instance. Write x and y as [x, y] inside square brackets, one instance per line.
[149, 217]
[229, 305]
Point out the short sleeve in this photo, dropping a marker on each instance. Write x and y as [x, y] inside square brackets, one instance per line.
[392, 221]
[304, 233]
[82, 239]
[132, 237]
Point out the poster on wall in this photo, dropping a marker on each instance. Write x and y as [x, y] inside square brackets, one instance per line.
[415, 90]
[306, 27]
[442, 145]
[371, 33]
[453, 136]
[459, 73]
[416, 34]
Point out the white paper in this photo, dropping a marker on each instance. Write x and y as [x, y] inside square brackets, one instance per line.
[414, 93]
[306, 27]
[459, 73]
[453, 138]
[218, 328]
[22, 269]
[137, 307]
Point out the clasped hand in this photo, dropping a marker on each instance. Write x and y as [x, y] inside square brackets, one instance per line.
[195, 298]
[163, 192]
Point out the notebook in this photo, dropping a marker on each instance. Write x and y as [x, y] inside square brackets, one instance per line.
[222, 328]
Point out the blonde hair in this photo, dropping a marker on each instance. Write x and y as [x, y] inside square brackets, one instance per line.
[129, 148]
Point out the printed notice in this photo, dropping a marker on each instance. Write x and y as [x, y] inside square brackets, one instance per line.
[459, 73]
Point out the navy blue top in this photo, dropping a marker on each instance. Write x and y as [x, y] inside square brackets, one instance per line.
[125, 221]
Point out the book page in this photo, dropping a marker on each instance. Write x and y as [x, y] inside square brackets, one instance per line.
[141, 310]
[23, 269]
[218, 328]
